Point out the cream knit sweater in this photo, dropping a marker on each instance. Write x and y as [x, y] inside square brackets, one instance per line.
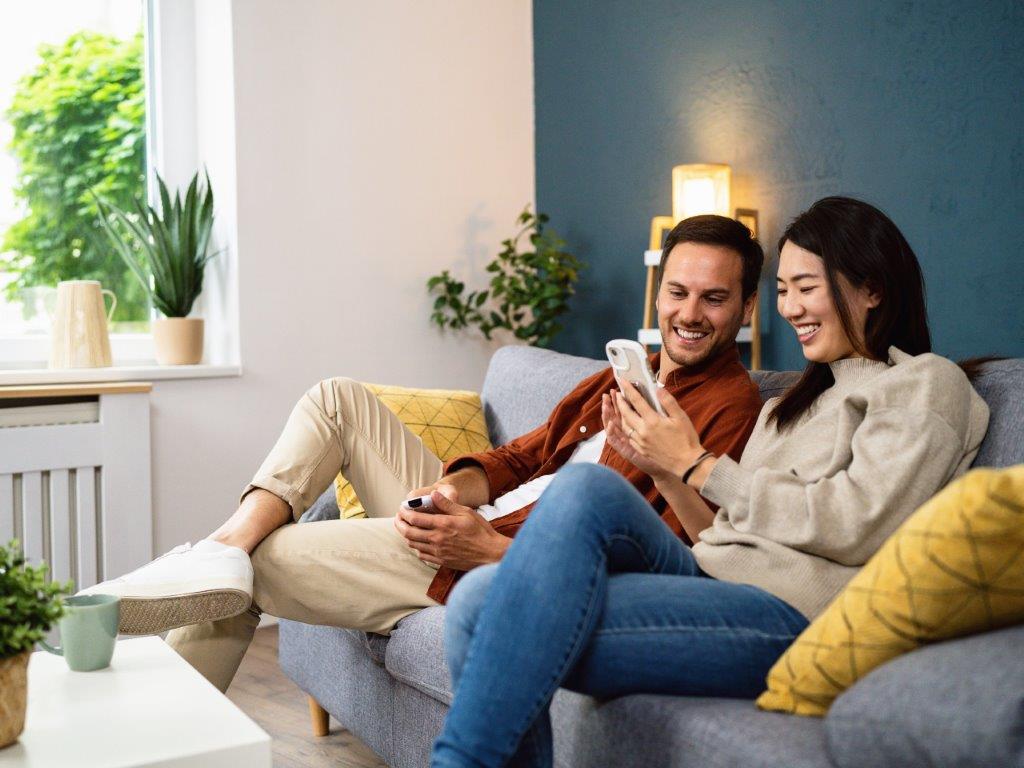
[805, 509]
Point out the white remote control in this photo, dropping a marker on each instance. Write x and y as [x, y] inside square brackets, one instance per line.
[419, 504]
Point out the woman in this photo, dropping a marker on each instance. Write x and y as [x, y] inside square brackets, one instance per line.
[598, 596]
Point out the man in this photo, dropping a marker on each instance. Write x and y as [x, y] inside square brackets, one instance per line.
[369, 573]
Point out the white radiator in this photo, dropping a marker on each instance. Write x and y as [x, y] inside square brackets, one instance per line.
[77, 495]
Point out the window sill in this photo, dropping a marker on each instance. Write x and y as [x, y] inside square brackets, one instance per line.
[138, 372]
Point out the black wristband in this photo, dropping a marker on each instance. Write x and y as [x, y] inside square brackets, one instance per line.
[702, 457]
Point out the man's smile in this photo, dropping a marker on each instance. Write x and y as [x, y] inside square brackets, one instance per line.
[690, 338]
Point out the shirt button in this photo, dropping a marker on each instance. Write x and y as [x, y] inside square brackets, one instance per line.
[583, 429]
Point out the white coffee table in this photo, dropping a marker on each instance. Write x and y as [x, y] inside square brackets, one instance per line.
[150, 708]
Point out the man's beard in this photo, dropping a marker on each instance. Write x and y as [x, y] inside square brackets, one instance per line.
[713, 350]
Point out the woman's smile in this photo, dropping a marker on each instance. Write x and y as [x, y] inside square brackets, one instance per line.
[807, 331]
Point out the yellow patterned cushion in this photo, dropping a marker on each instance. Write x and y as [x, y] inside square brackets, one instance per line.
[955, 567]
[449, 422]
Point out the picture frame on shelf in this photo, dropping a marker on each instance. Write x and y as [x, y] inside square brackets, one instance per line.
[748, 218]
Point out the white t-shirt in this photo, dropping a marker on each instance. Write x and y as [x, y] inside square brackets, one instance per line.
[588, 451]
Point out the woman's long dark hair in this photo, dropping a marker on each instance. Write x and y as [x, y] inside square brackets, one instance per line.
[859, 242]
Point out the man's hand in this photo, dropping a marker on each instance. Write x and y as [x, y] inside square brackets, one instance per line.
[468, 485]
[452, 535]
[442, 486]
[615, 434]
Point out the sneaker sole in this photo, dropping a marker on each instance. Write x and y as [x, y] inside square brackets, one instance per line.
[153, 615]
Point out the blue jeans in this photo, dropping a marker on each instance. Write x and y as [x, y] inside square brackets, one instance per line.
[597, 595]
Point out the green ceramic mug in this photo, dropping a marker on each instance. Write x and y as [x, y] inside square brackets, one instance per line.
[88, 632]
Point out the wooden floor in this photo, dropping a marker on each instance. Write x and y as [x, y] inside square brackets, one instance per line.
[262, 691]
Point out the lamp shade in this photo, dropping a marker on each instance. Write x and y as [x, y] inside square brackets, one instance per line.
[700, 188]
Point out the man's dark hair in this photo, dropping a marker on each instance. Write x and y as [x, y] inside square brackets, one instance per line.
[719, 230]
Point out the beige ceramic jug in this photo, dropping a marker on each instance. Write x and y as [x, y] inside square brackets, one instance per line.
[80, 338]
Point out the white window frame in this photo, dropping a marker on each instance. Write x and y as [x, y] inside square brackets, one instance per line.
[189, 125]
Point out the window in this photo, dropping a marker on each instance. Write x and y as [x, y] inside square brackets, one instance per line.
[72, 123]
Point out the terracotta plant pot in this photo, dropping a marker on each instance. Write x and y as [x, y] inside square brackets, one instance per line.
[178, 340]
[13, 696]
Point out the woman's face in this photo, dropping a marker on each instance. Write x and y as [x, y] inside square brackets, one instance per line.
[805, 301]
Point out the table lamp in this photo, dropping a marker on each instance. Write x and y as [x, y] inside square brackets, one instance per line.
[697, 188]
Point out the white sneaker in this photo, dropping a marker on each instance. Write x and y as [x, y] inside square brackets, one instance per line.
[188, 585]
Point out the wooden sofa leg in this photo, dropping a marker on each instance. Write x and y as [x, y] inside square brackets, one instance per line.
[321, 726]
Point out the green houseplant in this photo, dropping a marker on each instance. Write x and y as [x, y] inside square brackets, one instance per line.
[78, 123]
[528, 291]
[29, 606]
[167, 251]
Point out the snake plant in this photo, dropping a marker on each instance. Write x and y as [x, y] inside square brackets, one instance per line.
[167, 250]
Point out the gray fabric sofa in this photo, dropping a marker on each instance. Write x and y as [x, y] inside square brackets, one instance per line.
[959, 703]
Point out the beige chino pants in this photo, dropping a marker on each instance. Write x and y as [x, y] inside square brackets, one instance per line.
[358, 574]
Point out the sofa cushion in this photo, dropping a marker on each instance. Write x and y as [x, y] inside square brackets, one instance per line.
[524, 384]
[450, 422]
[773, 383]
[415, 653]
[953, 568]
[332, 666]
[324, 508]
[681, 732]
[676, 732]
[1001, 385]
[371, 642]
[958, 704]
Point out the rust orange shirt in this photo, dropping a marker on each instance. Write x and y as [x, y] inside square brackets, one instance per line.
[721, 401]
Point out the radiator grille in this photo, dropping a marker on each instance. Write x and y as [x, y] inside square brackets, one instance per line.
[75, 487]
[57, 516]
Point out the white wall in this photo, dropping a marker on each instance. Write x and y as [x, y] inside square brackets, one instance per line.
[376, 144]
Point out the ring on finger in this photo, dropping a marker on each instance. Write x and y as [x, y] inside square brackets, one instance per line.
[630, 435]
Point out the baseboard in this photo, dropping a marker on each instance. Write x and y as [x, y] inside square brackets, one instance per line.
[267, 620]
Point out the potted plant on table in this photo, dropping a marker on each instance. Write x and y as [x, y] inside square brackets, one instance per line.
[167, 251]
[29, 606]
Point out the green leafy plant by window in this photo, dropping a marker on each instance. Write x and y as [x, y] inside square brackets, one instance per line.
[169, 246]
[79, 125]
[29, 605]
[528, 291]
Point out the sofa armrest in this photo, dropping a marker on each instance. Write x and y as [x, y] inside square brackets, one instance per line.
[959, 704]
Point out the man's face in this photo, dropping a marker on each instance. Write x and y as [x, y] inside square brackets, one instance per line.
[700, 304]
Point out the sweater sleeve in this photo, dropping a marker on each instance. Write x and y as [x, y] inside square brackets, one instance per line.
[899, 459]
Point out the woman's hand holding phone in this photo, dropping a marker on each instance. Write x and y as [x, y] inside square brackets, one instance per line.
[662, 446]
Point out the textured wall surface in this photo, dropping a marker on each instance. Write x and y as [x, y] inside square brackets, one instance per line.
[914, 106]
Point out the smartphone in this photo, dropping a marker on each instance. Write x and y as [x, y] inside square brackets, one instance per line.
[631, 369]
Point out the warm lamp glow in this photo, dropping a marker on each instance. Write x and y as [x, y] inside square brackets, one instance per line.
[700, 188]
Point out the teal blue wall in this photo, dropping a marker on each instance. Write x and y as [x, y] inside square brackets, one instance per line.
[917, 107]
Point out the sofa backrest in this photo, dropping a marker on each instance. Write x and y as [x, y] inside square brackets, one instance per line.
[523, 384]
[1001, 384]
